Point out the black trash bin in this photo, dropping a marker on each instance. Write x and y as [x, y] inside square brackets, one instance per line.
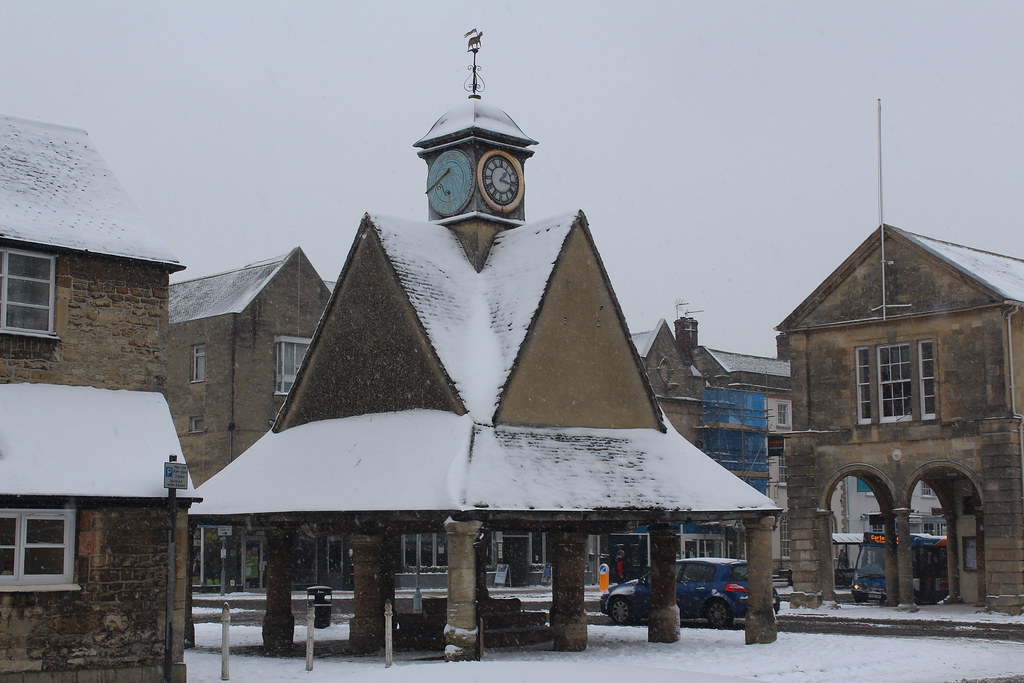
[320, 596]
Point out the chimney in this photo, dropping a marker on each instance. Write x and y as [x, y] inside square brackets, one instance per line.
[686, 337]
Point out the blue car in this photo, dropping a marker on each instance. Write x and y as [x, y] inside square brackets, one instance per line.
[712, 588]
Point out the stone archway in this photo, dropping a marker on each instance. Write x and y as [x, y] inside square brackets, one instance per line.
[890, 504]
[959, 494]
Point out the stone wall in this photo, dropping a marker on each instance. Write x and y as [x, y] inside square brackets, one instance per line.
[109, 318]
[114, 625]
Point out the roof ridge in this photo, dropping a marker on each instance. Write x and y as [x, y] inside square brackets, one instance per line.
[955, 244]
[274, 260]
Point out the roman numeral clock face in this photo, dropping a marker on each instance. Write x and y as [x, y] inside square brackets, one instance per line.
[501, 180]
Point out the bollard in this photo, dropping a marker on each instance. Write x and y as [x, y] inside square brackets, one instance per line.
[388, 644]
[309, 636]
[602, 577]
[225, 642]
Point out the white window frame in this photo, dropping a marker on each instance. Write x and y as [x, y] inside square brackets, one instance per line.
[284, 378]
[198, 372]
[784, 538]
[926, 377]
[906, 382]
[862, 360]
[6, 277]
[196, 424]
[19, 578]
[783, 415]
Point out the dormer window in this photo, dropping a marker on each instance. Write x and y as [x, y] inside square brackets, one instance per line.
[26, 291]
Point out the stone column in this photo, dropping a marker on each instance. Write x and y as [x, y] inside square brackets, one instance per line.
[953, 557]
[568, 614]
[278, 622]
[904, 560]
[980, 545]
[892, 574]
[760, 622]
[663, 621]
[460, 631]
[826, 565]
[366, 629]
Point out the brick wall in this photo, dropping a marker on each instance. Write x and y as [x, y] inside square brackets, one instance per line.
[115, 623]
[109, 319]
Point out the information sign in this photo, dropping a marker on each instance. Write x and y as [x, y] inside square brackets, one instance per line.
[175, 475]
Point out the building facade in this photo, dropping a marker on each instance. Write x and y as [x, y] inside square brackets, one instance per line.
[904, 374]
[83, 516]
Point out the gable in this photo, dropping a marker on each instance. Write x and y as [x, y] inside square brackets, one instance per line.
[914, 276]
[369, 354]
[294, 295]
[578, 366]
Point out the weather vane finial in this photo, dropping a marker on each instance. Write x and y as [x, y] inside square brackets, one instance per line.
[474, 84]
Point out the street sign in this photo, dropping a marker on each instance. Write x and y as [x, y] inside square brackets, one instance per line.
[175, 475]
[223, 531]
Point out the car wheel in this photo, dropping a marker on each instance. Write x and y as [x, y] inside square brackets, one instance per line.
[860, 597]
[620, 611]
[718, 614]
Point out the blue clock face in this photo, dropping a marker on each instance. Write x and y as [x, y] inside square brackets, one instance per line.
[449, 183]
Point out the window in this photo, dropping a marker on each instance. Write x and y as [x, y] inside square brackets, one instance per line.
[894, 382]
[26, 291]
[199, 363]
[290, 352]
[36, 546]
[863, 385]
[777, 450]
[927, 491]
[926, 374]
[196, 424]
[782, 414]
[784, 536]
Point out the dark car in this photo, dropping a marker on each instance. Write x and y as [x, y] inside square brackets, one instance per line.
[712, 588]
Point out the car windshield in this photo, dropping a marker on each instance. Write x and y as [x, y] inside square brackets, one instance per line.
[696, 572]
[871, 561]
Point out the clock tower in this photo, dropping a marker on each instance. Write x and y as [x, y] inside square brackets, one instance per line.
[475, 155]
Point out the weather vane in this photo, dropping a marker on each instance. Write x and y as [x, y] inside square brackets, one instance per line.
[474, 84]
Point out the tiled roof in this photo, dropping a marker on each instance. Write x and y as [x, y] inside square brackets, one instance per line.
[222, 293]
[56, 190]
[738, 362]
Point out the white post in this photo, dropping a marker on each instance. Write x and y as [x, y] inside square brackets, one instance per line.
[225, 642]
[388, 645]
[309, 636]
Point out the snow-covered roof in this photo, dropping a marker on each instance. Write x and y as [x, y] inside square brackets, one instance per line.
[56, 190]
[1003, 274]
[739, 362]
[222, 293]
[474, 116]
[644, 340]
[476, 322]
[82, 441]
[434, 460]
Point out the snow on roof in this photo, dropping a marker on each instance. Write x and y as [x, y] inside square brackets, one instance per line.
[56, 190]
[738, 362]
[474, 115]
[644, 340]
[476, 322]
[82, 441]
[436, 460]
[222, 293]
[1003, 274]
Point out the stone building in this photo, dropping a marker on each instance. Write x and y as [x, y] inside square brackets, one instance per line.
[473, 375]
[85, 428]
[906, 368]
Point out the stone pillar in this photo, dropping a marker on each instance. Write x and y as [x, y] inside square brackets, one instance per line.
[980, 545]
[826, 566]
[663, 622]
[278, 622]
[952, 557]
[760, 622]
[568, 613]
[460, 631]
[366, 629]
[892, 574]
[904, 560]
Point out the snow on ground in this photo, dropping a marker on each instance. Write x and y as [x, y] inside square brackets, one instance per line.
[618, 652]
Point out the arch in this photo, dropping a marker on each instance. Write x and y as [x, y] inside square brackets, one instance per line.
[929, 468]
[878, 481]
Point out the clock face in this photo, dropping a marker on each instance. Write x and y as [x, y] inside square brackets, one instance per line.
[449, 183]
[501, 180]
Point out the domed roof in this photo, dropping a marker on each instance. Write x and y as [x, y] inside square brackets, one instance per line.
[475, 117]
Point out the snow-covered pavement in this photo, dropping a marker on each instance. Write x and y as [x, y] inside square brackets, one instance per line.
[618, 653]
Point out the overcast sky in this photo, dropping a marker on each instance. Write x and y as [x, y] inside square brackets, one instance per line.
[723, 152]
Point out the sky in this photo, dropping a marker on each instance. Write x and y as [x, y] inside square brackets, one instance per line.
[725, 154]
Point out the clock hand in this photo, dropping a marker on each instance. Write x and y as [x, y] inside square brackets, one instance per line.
[438, 181]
